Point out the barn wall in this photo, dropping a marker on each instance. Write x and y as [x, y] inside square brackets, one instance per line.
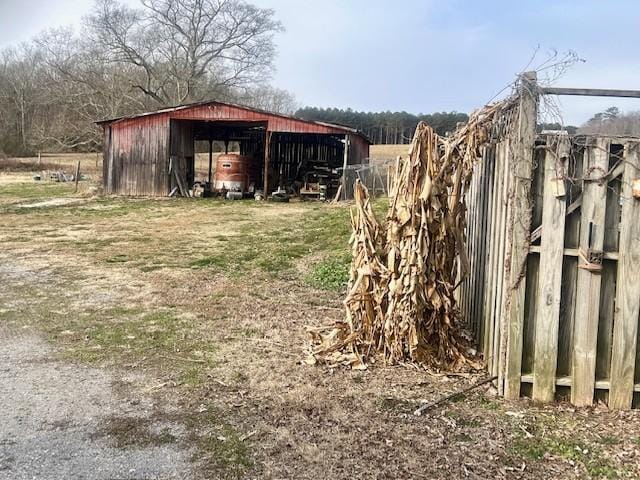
[137, 156]
[358, 150]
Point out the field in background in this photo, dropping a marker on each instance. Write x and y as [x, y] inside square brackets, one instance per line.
[90, 163]
[385, 153]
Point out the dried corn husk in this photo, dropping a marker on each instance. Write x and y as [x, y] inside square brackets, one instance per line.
[400, 303]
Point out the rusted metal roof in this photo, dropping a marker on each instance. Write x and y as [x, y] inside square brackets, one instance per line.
[214, 110]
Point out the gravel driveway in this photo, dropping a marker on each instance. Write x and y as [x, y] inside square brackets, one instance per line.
[53, 417]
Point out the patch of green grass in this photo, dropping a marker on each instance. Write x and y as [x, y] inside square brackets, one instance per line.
[129, 334]
[127, 432]
[224, 454]
[35, 190]
[590, 457]
[220, 451]
[609, 440]
[210, 261]
[488, 403]
[332, 274]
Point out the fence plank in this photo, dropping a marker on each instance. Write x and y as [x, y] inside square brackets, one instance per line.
[501, 160]
[522, 167]
[503, 228]
[592, 225]
[550, 276]
[489, 318]
[625, 330]
[484, 231]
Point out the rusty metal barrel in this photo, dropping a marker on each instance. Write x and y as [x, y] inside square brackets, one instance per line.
[232, 172]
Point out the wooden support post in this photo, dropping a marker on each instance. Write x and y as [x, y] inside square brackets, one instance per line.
[520, 219]
[550, 275]
[594, 197]
[267, 144]
[211, 161]
[77, 177]
[625, 326]
[344, 166]
[501, 318]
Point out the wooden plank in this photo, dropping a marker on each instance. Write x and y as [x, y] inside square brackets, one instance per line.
[486, 196]
[565, 381]
[570, 265]
[489, 317]
[625, 330]
[533, 266]
[522, 168]
[550, 276]
[574, 252]
[590, 92]
[594, 197]
[500, 330]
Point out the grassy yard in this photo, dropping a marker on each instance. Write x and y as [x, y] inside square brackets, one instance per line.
[208, 301]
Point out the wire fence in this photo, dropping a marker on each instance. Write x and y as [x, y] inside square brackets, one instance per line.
[376, 177]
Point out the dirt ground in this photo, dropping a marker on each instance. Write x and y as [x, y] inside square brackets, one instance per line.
[199, 308]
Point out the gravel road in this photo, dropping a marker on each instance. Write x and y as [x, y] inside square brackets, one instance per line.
[52, 417]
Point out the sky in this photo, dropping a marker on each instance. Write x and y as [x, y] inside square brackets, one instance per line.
[420, 56]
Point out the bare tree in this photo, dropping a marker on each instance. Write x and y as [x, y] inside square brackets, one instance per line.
[125, 60]
[268, 98]
[183, 50]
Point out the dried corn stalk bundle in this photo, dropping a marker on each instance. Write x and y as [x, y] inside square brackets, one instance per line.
[400, 304]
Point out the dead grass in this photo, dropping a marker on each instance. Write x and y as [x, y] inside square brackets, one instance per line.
[387, 153]
[208, 300]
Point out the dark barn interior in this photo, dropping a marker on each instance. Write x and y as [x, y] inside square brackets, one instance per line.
[272, 153]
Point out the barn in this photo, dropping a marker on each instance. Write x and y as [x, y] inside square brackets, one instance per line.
[154, 153]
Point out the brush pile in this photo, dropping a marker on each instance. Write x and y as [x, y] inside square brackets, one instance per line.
[400, 305]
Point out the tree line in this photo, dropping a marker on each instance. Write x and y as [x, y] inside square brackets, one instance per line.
[384, 127]
[125, 60]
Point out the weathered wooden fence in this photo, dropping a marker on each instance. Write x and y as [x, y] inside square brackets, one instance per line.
[553, 240]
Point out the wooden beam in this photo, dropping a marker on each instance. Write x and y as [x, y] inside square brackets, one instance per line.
[550, 277]
[489, 320]
[575, 252]
[210, 161]
[267, 144]
[521, 215]
[500, 329]
[592, 226]
[625, 325]
[566, 382]
[590, 92]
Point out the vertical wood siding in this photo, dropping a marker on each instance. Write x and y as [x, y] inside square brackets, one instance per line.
[137, 157]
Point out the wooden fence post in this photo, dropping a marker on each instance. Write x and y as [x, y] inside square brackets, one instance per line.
[267, 153]
[625, 325]
[594, 197]
[550, 275]
[523, 149]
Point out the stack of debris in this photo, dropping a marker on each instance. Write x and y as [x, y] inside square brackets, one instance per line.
[400, 306]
